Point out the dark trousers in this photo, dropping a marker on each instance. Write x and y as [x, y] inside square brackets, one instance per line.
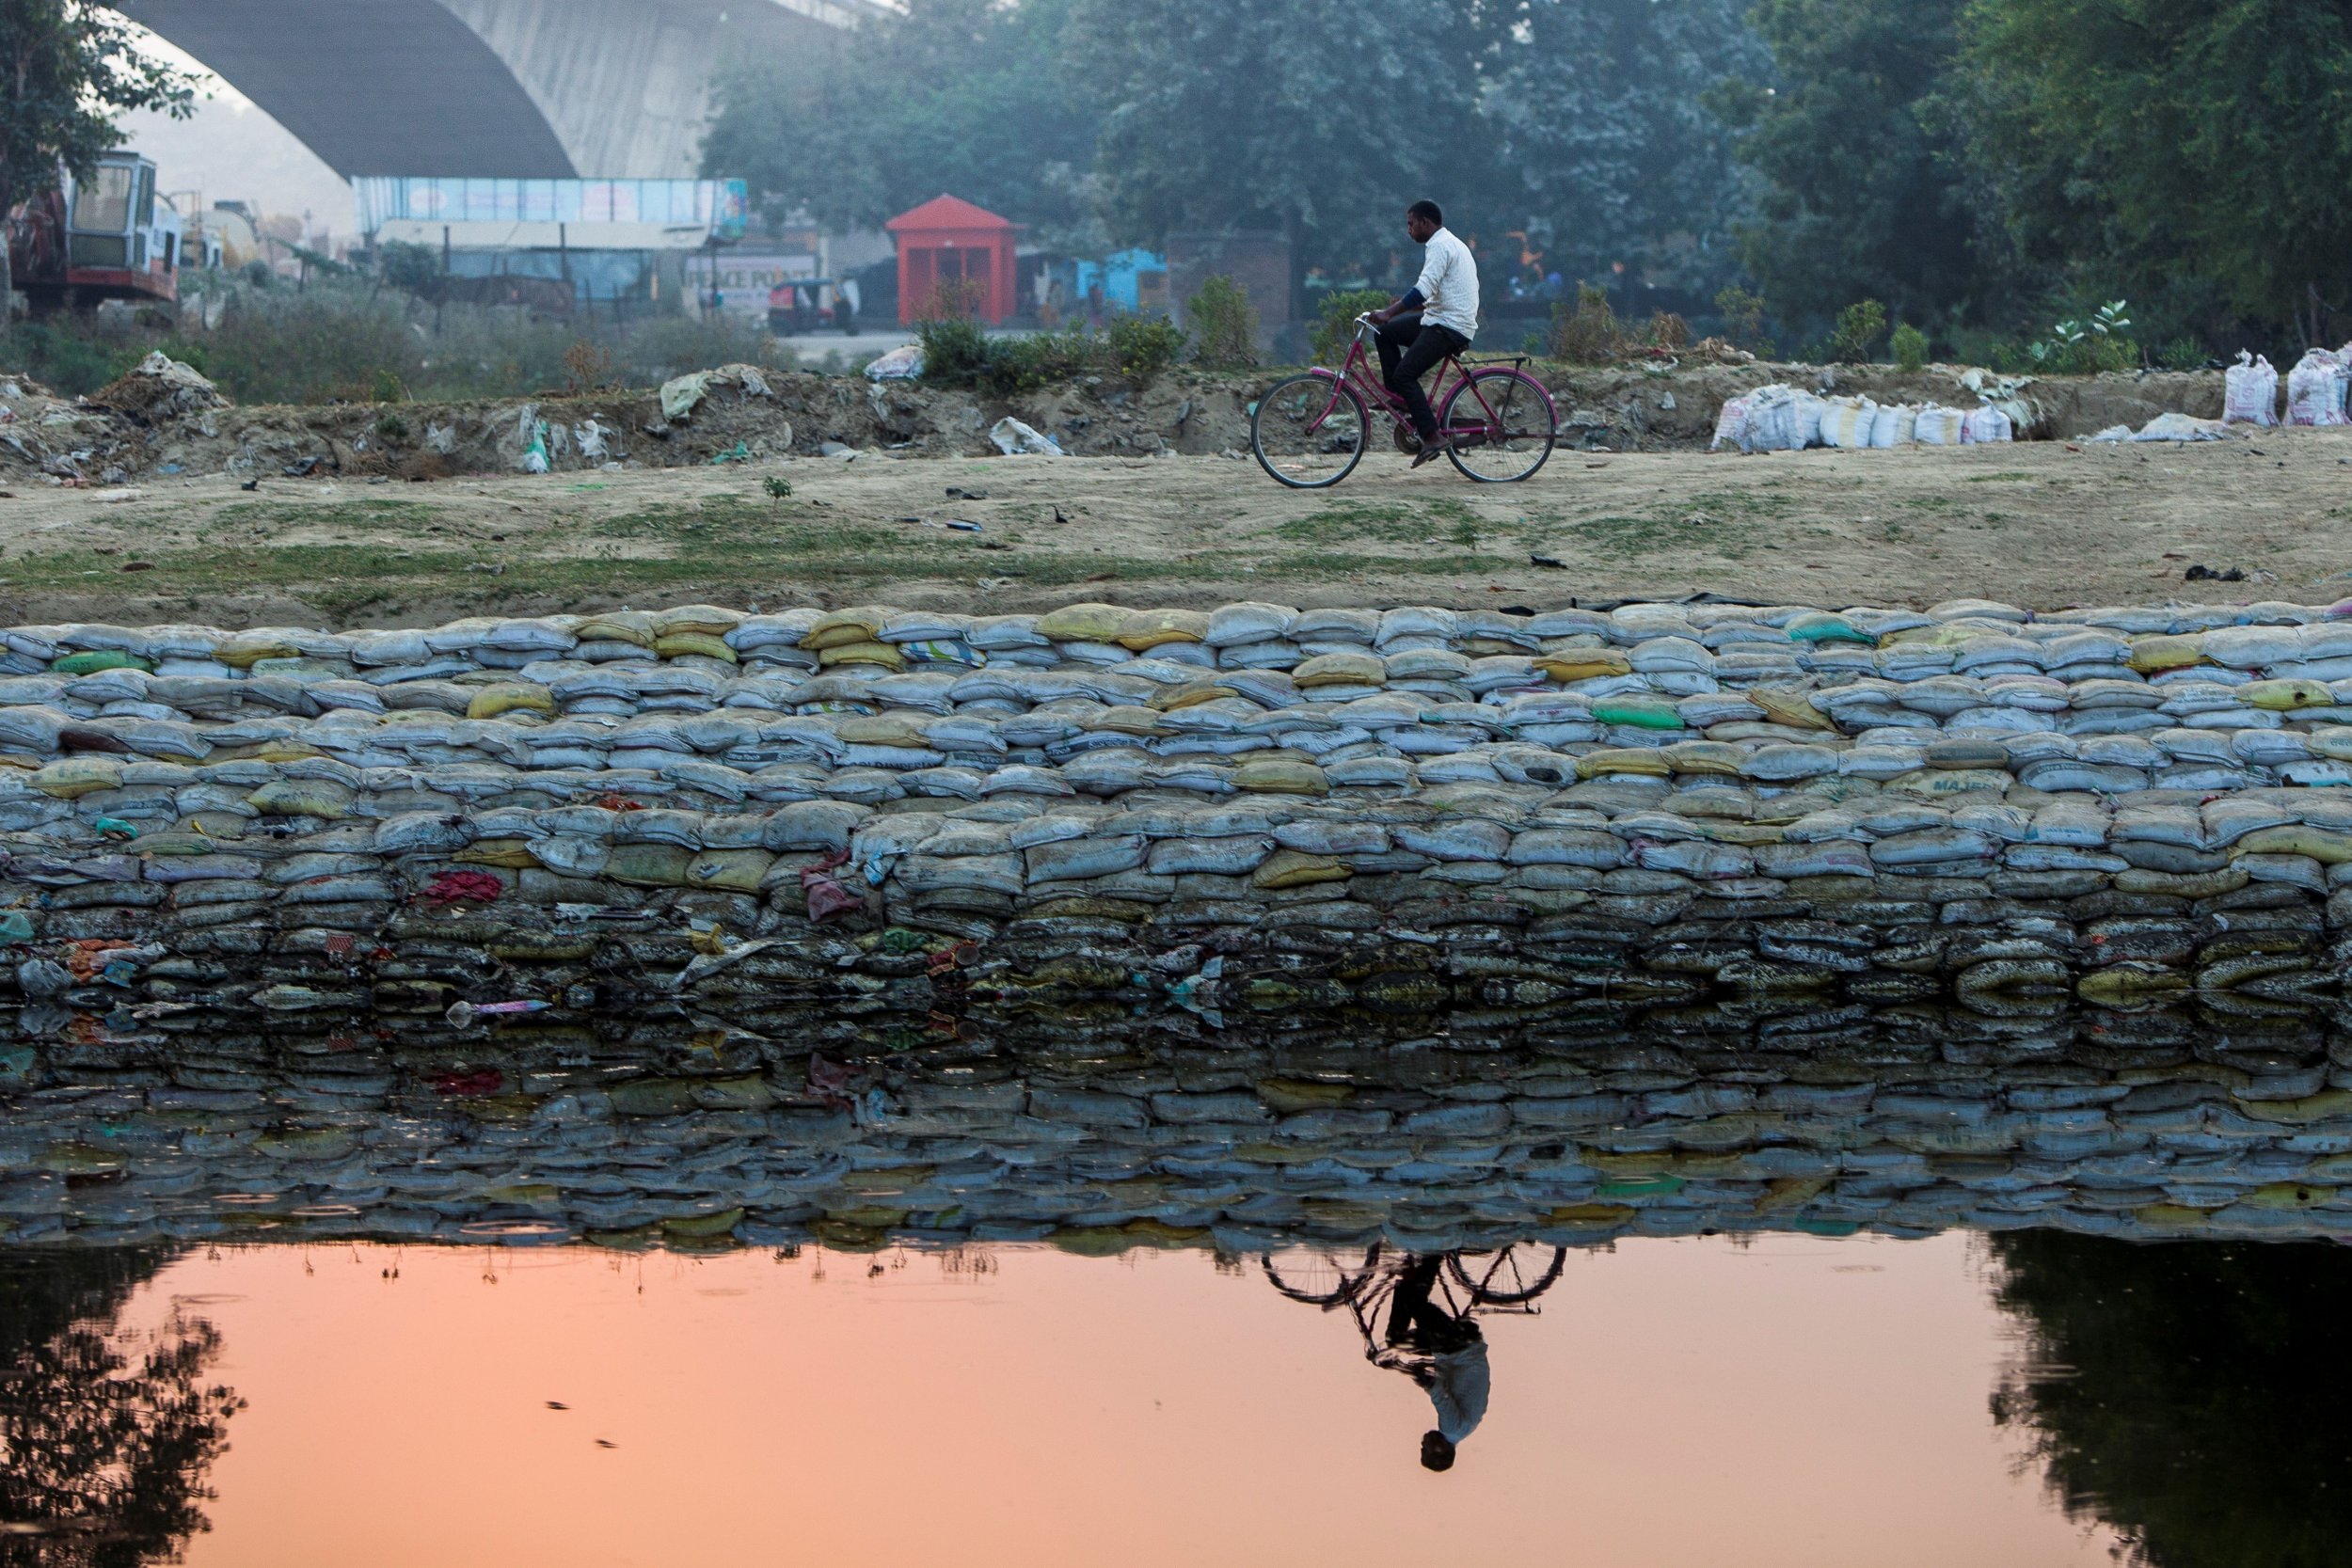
[1407, 350]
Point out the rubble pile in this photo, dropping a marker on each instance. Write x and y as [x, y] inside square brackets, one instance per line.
[1681, 801]
[164, 419]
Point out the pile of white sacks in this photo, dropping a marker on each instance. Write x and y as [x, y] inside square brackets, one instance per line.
[2316, 390]
[1780, 418]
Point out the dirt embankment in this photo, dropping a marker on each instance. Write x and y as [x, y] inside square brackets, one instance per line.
[160, 421]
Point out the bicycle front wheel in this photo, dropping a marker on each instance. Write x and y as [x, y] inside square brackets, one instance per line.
[1511, 1277]
[1503, 422]
[1310, 431]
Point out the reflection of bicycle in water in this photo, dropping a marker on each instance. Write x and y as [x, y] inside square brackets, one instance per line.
[1418, 1313]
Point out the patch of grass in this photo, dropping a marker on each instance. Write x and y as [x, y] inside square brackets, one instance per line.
[363, 514]
[1989, 479]
[1724, 523]
[1386, 522]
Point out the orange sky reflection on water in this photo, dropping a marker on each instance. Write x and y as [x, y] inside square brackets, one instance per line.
[1800, 1401]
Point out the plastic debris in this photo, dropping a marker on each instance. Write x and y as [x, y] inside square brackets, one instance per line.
[903, 363]
[462, 1014]
[1011, 436]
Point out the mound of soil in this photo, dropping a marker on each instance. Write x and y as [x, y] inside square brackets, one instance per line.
[163, 419]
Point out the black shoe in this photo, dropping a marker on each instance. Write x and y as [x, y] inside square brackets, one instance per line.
[1432, 447]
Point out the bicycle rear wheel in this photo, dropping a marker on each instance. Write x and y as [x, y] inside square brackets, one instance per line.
[1310, 431]
[1503, 422]
[1319, 1276]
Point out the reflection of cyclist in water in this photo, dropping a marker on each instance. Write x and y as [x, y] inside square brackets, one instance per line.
[1443, 1352]
[1431, 1303]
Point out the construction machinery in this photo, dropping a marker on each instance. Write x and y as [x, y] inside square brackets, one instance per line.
[112, 236]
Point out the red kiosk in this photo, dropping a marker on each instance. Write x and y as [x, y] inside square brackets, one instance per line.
[948, 241]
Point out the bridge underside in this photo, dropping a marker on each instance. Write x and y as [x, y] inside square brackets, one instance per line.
[515, 87]
[391, 87]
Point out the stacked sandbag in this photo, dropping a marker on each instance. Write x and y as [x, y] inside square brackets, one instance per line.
[561, 780]
[1784, 419]
[1505, 1129]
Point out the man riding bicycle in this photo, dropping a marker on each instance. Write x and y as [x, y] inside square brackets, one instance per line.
[1432, 319]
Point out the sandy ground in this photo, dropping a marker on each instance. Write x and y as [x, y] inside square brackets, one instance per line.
[2041, 524]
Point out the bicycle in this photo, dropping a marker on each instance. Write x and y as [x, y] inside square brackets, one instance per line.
[1309, 430]
[1502, 1280]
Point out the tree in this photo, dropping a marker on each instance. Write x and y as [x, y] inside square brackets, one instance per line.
[1863, 195]
[1320, 117]
[960, 96]
[2189, 1393]
[2180, 151]
[1606, 150]
[66, 69]
[104, 1457]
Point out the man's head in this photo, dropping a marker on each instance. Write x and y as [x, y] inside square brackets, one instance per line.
[1437, 1452]
[1422, 219]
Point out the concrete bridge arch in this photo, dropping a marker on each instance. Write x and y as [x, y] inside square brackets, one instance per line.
[536, 89]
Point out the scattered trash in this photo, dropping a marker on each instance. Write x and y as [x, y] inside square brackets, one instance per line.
[963, 526]
[957, 493]
[2164, 427]
[827, 897]
[2206, 574]
[301, 468]
[462, 1014]
[462, 887]
[157, 388]
[1012, 436]
[740, 452]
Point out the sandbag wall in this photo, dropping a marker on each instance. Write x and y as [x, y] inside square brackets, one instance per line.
[1199, 806]
[1551, 1127]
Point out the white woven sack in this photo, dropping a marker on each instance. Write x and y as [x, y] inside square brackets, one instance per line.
[1770, 424]
[1846, 422]
[2315, 388]
[1809, 411]
[1730, 424]
[1986, 424]
[1895, 425]
[1940, 427]
[2250, 391]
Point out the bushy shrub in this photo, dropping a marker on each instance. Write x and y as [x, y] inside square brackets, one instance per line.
[955, 350]
[1224, 325]
[2182, 353]
[1743, 320]
[1335, 324]
[1910, 346]
[1666, 330]
[1857, 332]
[2088, 345]
[1590, 334]
[1142, 346]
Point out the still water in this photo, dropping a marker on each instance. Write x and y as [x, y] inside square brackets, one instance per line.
[2019, 1297]
[1776, 1399]
[1785, 1401]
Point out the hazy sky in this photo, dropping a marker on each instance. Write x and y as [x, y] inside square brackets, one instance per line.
[232, 150]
